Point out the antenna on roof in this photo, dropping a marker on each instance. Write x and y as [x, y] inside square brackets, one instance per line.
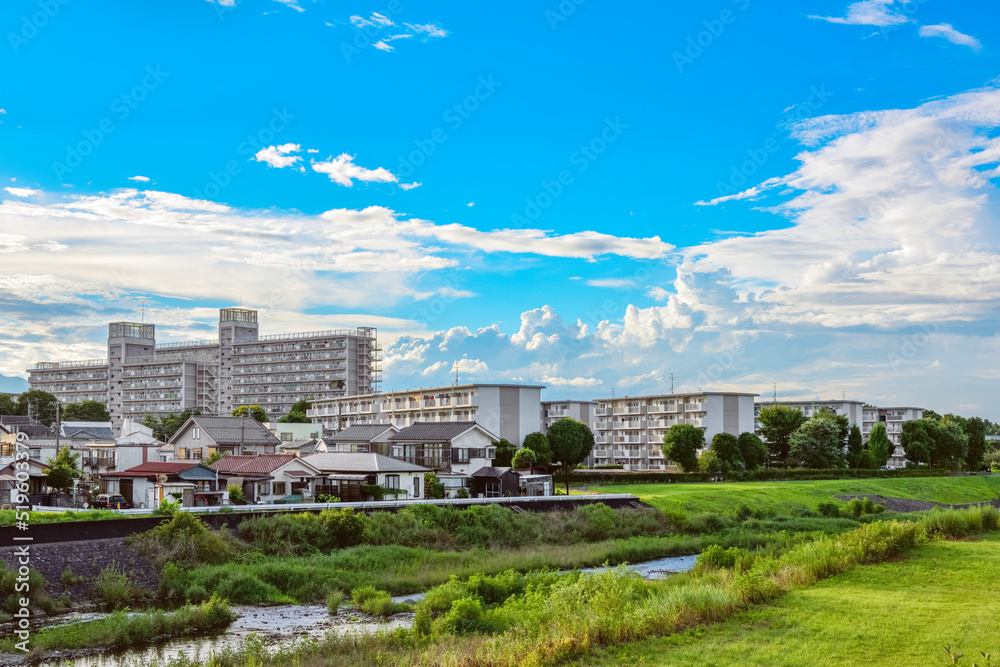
[774, 397]
[142, 317]
[671, 383]
[455, 368]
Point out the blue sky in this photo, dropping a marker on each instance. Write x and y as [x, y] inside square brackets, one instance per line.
[587, 195]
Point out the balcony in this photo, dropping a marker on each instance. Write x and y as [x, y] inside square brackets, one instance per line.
[694, 407]
[631, 410]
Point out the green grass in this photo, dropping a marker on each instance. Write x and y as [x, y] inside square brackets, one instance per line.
[781, 497]
[896, 613]
[119, 630]
[8, 517]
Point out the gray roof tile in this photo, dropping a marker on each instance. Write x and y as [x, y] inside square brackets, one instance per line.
[345, 462]
[432, 431]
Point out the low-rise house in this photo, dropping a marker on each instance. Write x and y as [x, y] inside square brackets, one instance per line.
[454, 450]
[536, 484]
[201, 437]
[21, 424]
[9, 468]
[302, 448]
[289, 431]
[144, 486]
[490, 482]
[87, 430]
[267, 478]
[345, 475]
[363, 439]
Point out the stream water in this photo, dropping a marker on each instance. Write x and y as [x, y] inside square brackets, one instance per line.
[276, 625]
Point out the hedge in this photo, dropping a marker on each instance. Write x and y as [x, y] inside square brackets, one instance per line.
[768, 475]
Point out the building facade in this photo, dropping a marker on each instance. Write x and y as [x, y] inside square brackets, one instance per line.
[630, 429]
[240, 367]
[509, 410]
[851, 409]
[553, 411]
[893, 419]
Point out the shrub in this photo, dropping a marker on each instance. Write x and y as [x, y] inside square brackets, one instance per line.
[714, 557]
[114, 588]
[236, 496]
[166, 508]
[184, 541]
[829, 510]
[375, 602]
[346, 527]
[462, 493]
[196, 594]
[333, 601]
[466, 616]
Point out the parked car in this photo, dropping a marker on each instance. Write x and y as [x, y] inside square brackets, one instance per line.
[111, 501]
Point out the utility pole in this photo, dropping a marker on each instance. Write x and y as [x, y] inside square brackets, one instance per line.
[671, 383]
[774, 397]
[243, 426]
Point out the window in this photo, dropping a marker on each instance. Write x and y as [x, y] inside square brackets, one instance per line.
[181, 453]
[279, 488]
[416, 486]
[196, 433]
[286, 437]
[196, 454]
[392, 481]
[263, 488]
[461, 455]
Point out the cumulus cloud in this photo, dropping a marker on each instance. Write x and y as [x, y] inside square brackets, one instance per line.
[871, 12]
[140, 179]
[279, 156]
[23, 192]
[343, 171]
[409, 186]
[946, 31]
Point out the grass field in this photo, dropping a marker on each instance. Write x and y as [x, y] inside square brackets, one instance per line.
[781, 497]
[900, 613]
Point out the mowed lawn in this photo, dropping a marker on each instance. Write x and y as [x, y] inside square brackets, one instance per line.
[899, 613]
[784, 496]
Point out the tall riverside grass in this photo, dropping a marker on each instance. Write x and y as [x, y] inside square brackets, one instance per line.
[120, 629]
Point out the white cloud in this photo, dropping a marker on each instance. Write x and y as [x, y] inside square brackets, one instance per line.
[141, 179]
[279, 156]
[343, 171]
[471, 203]
[312, 150]
[429, 29]
[3, 112]
[293, 4]
[23, 192]
[946, 31]
[578, 382]
[871, 12]
[616, 283]
[409, 186]
[382, 46]
[658, 293]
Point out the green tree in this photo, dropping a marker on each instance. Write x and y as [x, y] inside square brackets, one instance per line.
[727, 447]
[164, 427]
[855, 447]
[297, 415]
[777, 424]
[571, 443]
[879, 445]
[87, 411]
[253, 410]
[7, 405]
[867, 461]
[41, 405]
[523, 458]
[817, 443]
[753, 449]
[975, 429]
[919, 439]
[214, 457]
[66, 458]
[504, 454]
[930, 414]
[681, 445]
[952, 445]
[433, 488]
[59, 478]
[711, 463]
[539, 444]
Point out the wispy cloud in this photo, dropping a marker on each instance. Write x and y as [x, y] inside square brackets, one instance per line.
[870, 12]
[428, 29]
[616, 283]
[377, 26]
[23, 192]
[140, 179]
[946, 31]
[343, 171]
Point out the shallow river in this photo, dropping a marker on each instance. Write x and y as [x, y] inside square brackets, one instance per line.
[285, 624]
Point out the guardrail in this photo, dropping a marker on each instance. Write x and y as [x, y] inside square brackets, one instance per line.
[372, 505]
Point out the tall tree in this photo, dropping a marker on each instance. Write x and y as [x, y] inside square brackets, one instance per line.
[727, 447]
[777, 424]
[817, 443]
[753, 449]
[87, 411]
[41, 405]
[253, 410]
[952, 445]
[66, 458]
[681, 445]
[571, 442]
[855, 447]
[919, 439]
[7, 405]
[504, 454]
[297, 415]
[975, 429]
[164, 427]
[930, 414]
[539, 444]
[879, 445]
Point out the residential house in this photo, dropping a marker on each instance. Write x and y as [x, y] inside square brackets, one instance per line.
[9, 468]
[453, 449]
[287, 432]
[190, 482]
[267, 478]
[201, 437]
[21, 424]
[363, 438]
[345, 475]
[302, 448]
[87, 430]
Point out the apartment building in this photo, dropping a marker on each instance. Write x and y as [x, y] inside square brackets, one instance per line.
[553, 411]
[851, 409]
[509, 410]
[240, 367]
[893, 418]
[629, 430]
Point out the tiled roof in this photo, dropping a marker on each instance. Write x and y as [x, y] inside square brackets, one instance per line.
[26, 425]
[234, 430]
[250, 464]
[433, 431]
[490, 471]
[361, 433]
[351, 462]
[93, 432]
[156, 468]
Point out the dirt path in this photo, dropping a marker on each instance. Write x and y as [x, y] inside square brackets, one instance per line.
[908, 505]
